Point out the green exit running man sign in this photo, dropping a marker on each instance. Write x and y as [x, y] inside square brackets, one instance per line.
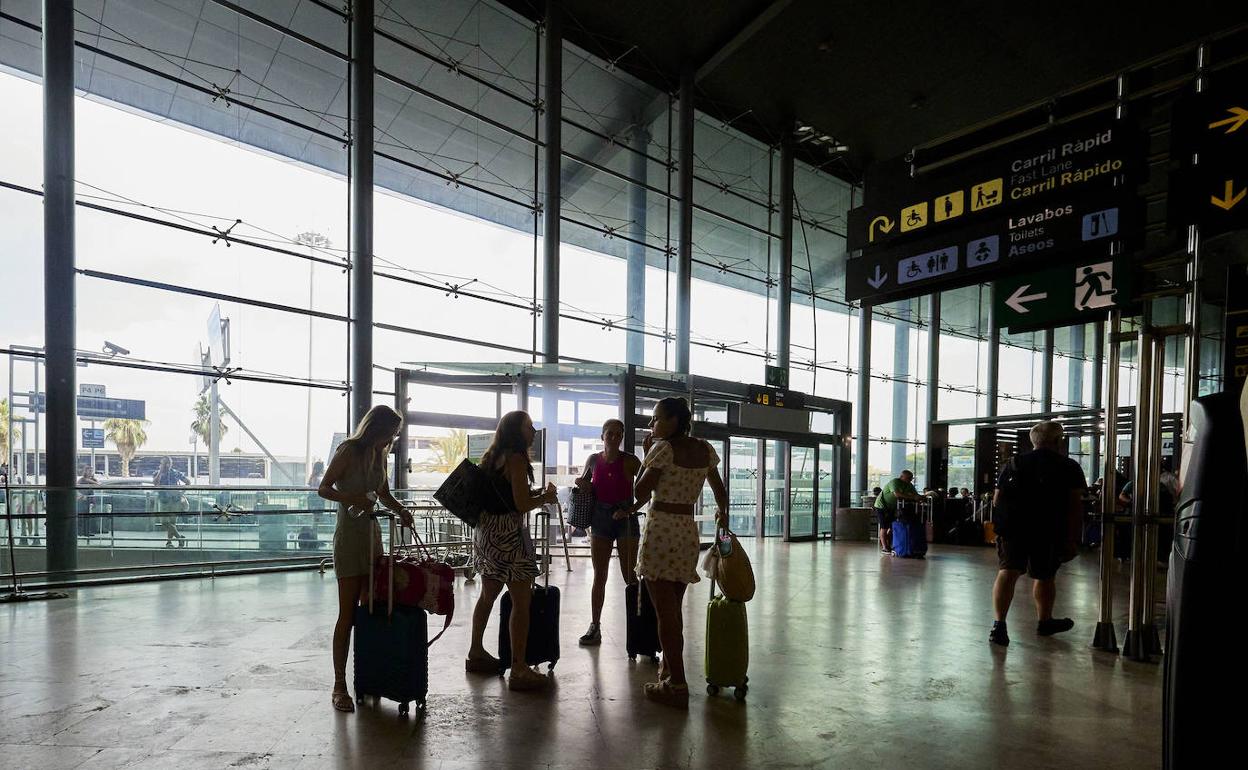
[1081, 292]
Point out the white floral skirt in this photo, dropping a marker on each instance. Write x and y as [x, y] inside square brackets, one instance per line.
[669, 548]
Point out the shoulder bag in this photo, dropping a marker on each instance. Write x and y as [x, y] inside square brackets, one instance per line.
[582, 501]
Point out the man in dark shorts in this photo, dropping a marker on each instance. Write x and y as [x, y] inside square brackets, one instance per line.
[900, 488]
[1037, 509]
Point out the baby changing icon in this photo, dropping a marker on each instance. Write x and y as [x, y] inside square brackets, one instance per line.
[1094, 286]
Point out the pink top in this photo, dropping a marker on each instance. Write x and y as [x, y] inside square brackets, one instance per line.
[611, 481]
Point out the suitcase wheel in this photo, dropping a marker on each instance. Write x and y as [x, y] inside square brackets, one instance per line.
[712, 689]
[740, 692]
[551, 666]
[654, 659]
[403, 708]
[632, 656]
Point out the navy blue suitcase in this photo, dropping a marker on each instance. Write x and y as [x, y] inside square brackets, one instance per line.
[543, 643]
[909, 539]
[391, 646]
[392, 655]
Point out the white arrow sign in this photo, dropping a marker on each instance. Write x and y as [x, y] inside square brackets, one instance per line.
[1018, 298]
[878, 280]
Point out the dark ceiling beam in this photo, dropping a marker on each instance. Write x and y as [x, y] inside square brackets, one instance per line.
[740, 39]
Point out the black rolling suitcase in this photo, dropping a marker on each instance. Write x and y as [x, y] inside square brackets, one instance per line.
[641, 625]
[391, 647]
[543, 643]
[1202, 682]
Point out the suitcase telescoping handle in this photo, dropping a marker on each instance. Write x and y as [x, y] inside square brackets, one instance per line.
[389, 516]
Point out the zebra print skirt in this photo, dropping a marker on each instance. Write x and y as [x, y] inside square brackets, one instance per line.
[503, 549]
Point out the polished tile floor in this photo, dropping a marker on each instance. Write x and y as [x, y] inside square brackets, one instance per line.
[857, 660]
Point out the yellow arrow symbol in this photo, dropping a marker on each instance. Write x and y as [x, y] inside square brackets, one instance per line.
[1239, 116]
[886, 225]
[1229, 198]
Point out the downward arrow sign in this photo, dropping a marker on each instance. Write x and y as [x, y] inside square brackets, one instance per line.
[1018, 298]
[878, 280]
[1229, 198]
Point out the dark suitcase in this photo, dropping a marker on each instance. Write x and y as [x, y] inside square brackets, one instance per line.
[391, 649]
[642, 625]
[1210, 545]
[543, 642]
[909, 539]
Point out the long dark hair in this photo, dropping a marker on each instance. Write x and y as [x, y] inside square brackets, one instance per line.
[508, 438]
[674, 406]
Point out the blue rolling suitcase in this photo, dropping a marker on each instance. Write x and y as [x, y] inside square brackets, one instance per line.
[391, 649]
[909, 532]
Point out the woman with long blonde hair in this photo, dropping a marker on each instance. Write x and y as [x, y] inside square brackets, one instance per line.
[357, 471]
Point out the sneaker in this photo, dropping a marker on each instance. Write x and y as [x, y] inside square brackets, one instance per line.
[998, 635]
[592, 637]
[487, 665]
[1054, 626]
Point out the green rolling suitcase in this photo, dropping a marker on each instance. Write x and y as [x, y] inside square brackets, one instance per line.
[727, 645]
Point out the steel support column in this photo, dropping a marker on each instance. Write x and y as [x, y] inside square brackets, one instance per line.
[684, 261]
[784, 303]
[1098, 398]
[635, 291]
[1046, 374]
[59, 316]
[993, 365]
[1104, 638]
[862, 408]
[1136, 645]
[933, 451]
[552, 120]
[361, 192]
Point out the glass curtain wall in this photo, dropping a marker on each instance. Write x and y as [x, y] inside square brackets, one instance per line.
[898, 421]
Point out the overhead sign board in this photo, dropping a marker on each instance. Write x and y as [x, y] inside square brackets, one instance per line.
[1067, 228]
[781, 397]
[92, 438]
[1210, 136]
[1235, 331]
[94, 408]
[1060, 296]
[1077, 157]
[85, 389]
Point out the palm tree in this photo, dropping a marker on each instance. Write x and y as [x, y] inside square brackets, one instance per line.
[127, 436]
[203, 414]
[6, 441]
[450, 450]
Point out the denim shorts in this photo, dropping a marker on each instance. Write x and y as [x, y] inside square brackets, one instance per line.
[604, 524]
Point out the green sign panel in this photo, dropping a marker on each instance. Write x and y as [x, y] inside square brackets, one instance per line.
[1081, 292]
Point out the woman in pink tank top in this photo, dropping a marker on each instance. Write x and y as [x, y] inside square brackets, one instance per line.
[610, 474]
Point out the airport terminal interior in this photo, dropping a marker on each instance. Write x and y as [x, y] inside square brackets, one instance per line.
[922, 297]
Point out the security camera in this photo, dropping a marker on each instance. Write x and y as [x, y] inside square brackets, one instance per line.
[115, 350]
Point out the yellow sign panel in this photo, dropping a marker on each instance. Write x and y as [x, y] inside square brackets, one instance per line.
[987, 194]
[948, 206]
[914, 217]
[884, 223]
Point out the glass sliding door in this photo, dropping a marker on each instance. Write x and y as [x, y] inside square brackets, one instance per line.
[802, 478]
[743, 484]
[827, 492]
[773, 475]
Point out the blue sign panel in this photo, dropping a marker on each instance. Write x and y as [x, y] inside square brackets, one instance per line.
[92, 438]
[95, 408]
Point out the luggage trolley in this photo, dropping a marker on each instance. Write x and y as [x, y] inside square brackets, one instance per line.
[447, 537]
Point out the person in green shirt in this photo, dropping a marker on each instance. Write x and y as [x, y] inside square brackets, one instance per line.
[900, 488]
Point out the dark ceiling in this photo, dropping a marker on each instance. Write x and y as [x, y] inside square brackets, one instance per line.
[881, 77]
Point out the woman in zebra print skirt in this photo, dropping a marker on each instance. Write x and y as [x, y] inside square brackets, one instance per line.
[503, 550]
